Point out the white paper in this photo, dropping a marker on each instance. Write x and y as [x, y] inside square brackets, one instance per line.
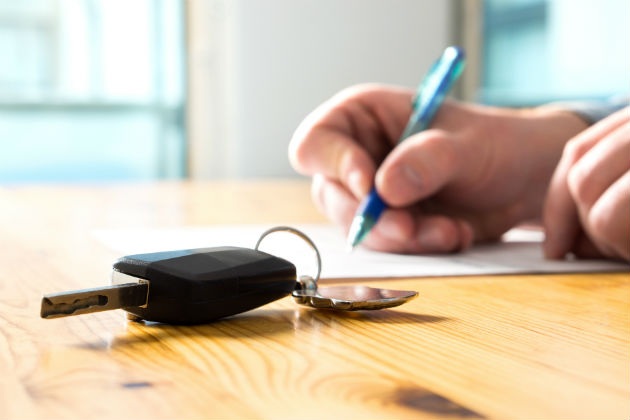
[519, 252]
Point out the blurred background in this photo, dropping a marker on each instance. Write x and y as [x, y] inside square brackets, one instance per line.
[110, 90]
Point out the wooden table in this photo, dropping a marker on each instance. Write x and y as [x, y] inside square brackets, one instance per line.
[528, 346]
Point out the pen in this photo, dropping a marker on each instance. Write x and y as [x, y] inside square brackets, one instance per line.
[429, 96]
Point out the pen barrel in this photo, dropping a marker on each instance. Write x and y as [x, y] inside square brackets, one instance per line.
[433, 90]
[372, 206]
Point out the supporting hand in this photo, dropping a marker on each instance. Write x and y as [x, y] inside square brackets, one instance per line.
[587, 210]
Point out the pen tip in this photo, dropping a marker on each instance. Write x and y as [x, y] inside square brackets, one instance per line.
[354, 235]
[351, 243]
[359, 229]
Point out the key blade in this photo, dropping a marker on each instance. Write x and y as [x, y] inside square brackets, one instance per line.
[94, 300]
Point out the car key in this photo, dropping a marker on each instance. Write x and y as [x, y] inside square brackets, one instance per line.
[195, 286]
[183, 287]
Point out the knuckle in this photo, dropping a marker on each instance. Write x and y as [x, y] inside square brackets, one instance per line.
[601, 224]
[346, 95]
[353, 92]
[445, 235]
[345, 158]
[451, 237]
[574, 149]
[580, 184]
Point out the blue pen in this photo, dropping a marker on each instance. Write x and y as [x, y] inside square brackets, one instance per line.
[429, 96]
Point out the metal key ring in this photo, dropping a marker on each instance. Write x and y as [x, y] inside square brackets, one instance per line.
[301, 235]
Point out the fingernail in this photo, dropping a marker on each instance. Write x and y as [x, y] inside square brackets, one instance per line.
[357, 184]
[390, 229]
[411, 176]
[431, 238]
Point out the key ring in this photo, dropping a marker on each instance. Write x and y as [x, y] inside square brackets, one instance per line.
[344, 298]
[307, 281]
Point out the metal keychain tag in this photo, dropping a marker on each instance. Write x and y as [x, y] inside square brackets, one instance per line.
[345, 298]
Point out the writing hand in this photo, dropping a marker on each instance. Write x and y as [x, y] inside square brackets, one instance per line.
[476, 173]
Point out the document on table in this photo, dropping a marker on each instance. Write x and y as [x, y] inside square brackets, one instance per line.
[520, 251]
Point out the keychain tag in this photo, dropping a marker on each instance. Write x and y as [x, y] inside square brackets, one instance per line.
[348, 298]
[343, 298]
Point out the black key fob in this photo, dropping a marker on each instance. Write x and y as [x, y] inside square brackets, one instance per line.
[194, 286]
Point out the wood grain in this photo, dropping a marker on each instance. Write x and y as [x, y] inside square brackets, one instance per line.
[529, 346]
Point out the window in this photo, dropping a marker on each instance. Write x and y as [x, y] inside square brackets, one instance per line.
[91, 90]
[537, 51]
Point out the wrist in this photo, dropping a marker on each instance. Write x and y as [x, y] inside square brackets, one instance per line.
[531, 141]
[540, 133]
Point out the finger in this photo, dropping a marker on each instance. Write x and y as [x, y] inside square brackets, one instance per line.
[440, 234]
[560, 215]
[333, 200]
[431, 234]
[598, 168]
[336, 156]
[392, 232]
[467, 236]
[584, 247]
[609, 219]
[344, 137]
[584, 140]
[417, 168]
[396, 230]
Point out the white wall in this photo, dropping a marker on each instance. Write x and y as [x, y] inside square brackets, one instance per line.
[258, 67]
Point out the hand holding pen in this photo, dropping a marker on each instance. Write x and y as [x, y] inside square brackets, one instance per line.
[475, 173]
[428, 99]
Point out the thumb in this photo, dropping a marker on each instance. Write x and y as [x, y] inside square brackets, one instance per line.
[417, 168]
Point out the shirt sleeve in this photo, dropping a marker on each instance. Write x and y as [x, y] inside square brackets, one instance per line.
[593, 111]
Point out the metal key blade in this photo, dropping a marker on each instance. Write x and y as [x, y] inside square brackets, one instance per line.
[94, 300]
